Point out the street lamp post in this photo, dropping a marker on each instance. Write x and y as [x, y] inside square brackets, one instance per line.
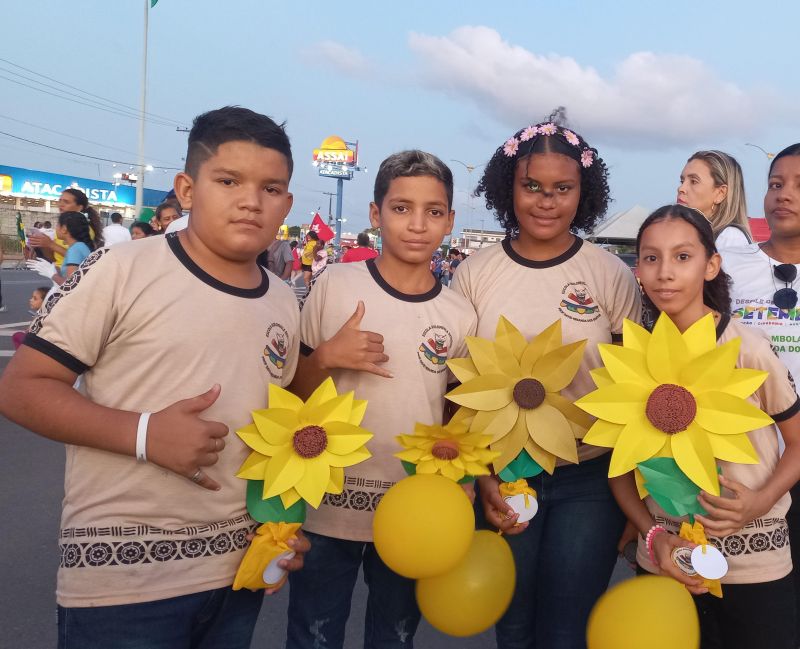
[470, 198]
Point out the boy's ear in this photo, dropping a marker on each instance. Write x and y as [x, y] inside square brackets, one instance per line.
[451, 218]
[374, 215]
[183, 185]
[713, 267]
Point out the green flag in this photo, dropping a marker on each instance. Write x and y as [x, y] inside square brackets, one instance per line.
[20, 228]
[153, 3]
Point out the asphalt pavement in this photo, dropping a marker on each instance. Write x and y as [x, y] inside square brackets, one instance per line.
[31, 488]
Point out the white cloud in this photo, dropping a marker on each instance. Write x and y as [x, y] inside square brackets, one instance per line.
[649, 100]
[347, 60]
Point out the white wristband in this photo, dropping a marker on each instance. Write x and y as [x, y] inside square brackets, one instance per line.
[141, 437]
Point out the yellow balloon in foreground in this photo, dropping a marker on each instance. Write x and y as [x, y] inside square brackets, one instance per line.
[423, 526]
[475, 594]
[653, 612]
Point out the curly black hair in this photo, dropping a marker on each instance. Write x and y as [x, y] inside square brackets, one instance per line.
[497, 182]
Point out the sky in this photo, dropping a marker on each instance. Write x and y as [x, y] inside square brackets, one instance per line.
[647, 84]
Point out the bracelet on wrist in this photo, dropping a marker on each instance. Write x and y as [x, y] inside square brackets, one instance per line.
[652, 533]
[141, 437]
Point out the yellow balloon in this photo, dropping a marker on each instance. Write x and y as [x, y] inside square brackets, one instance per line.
[423, 526]
[653, 612]
[475, 594]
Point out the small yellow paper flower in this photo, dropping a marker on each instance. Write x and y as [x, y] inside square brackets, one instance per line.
[674, 395]
[514, 386]
[271, 541]
[451, 450]
[300, 449]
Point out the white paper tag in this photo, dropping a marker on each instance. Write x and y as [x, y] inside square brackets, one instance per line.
[709, 564]
[517, 503]
[273, 573]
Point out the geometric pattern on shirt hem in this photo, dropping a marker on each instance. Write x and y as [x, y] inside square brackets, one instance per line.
[358, 499]
[147, 551]
[149, 530]
[746, 542]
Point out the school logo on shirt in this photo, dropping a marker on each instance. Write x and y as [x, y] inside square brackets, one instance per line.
[432, 351]
[276, 349]
[577, 303]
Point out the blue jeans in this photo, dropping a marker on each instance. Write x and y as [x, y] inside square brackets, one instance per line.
[320, 595]
[564, 559]
[215, 619]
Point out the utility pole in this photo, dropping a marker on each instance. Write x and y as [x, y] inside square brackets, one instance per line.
[142, 108]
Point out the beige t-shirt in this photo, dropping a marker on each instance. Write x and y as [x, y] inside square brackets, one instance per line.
[147, 327]
[760, 551]
[420, 333]
[590, 290]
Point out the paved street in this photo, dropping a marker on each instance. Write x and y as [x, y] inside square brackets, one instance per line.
[31, 486]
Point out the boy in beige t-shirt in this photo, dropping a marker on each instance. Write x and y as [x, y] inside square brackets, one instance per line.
[154, 522]
[403, 376]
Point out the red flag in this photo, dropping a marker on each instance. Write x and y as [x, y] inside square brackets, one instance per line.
[322, 230]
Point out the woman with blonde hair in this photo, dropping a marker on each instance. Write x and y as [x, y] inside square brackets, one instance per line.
[712, 182]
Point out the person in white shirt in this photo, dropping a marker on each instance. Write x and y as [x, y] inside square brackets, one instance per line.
[116, 232]
[48, 230]
[712, 182]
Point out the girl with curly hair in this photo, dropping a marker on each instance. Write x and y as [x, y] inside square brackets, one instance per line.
[546, 186]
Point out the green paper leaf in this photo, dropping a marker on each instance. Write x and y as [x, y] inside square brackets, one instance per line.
[411, 469]
[272, 509]
[675, 493]
[523, 466]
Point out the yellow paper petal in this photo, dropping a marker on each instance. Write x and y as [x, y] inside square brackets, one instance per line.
[288, 498]
[618, 403]
[724, 414]
[733, 448]
[556, 369]
[640, 484]
[701, 337]
[601, 377]
[574, 414]
[354, 457]
[463, 416]
[635, 336]
[511, 445]
[312, 484]
[546, 341]
[490, 392]
[276, 425]
[250, 436]
[482, 353]
[463, 369]
[412, 455]
[603, 433]
[743, 382]
[336, 484]
[666, 353]
[280, 398]
[637, 442]
[358, 412]
[550, 430]
[496, 423]
[543, 458]
[692, 452]
[336, 409]
[283, 471]
[712, 369]
[254, 467]
[324, 392]
[626, 365]
[345, 438]
[509, 338]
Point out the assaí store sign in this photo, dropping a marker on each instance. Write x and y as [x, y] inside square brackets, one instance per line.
[334, 149]
[46, 186]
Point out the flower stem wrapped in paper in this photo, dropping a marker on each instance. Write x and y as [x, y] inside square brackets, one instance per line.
[514, 386]
[299, 451]
[669, 395]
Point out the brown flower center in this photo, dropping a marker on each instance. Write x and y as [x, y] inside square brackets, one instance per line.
[529, 394]
[445, 449]
[310, 441]
[671, 408]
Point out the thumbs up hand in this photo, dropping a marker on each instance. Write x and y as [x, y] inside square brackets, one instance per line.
[178, 439]
[354, 349]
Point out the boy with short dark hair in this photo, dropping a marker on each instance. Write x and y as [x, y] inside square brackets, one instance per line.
[154, 522]
[403, 376]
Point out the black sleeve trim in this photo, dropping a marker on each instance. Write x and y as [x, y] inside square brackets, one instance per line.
[791, 411]
[305, 350]
[56, 353]
[616, 338]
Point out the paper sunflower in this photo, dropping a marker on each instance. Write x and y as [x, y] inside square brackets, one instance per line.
[450, 450]
[674, 395]
[514, 386]
[300, 449]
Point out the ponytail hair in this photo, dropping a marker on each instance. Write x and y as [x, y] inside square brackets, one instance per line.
[78, 227]
[94, 217]
[716, 292]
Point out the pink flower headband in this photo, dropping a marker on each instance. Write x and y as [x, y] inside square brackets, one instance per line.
[511, 145]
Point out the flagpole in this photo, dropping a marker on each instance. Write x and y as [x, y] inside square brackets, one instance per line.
[140, 174]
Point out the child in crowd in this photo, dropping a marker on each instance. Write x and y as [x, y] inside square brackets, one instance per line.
[154, 523]
[679, 269]
[395, 294]
[34, 303]
[545, 184]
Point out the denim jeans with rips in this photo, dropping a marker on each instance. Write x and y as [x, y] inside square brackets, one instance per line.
[320, 596]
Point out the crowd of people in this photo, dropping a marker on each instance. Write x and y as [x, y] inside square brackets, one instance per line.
[154, 522]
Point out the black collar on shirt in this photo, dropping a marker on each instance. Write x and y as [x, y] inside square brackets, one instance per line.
[547, 263]
[406, 297]
[183, 257]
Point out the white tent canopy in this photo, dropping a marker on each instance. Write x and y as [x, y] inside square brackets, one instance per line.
[621, 226]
